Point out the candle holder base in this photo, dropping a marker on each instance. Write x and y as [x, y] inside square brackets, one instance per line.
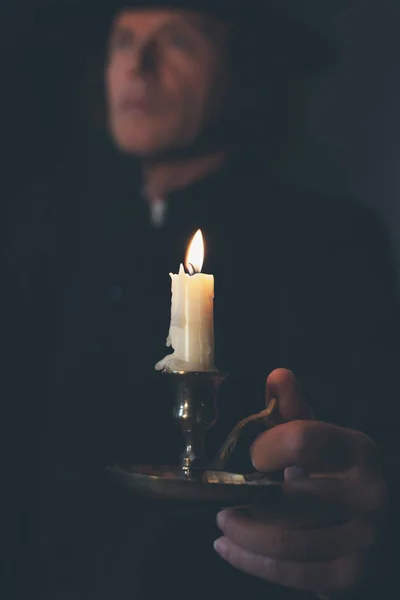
[215, 489]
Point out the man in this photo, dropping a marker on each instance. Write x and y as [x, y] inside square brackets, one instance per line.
[300, 284]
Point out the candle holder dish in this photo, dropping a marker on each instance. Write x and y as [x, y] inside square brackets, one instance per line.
[197, 479]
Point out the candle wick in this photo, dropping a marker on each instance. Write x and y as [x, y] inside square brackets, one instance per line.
[191, 269]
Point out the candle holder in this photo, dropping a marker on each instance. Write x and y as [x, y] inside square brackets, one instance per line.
[198, 479]
[195, 409]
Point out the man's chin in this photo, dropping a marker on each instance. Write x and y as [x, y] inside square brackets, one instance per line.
[153, 147]
[139, 150]
[161, 152]
[139, 141]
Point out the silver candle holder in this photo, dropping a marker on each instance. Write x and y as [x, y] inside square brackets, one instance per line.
[195, 409]
[197, 478]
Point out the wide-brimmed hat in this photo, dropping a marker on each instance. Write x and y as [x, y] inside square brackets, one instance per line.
[305, 50]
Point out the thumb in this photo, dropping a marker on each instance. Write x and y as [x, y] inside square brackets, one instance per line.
[284, 386]
[292, 406]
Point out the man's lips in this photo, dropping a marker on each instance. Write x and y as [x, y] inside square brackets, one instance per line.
[135, 105]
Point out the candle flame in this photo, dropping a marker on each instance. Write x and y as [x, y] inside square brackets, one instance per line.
[195, 254]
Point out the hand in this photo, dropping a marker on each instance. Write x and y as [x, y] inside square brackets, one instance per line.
[319, 536]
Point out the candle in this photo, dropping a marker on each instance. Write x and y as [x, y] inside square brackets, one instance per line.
[191, 332]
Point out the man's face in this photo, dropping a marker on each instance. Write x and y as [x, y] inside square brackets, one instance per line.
[166, 78]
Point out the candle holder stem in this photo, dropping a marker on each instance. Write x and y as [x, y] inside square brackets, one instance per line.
[195, 408]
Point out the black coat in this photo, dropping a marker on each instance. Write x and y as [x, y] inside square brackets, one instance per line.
[301, 281]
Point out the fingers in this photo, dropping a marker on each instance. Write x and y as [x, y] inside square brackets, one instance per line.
[280, 542]
[322, 500]
[322, 578]
[310, 445]
[312, 502]
[283, 385]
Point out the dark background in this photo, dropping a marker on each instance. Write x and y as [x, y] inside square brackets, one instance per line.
[349, 141]
[349, 144]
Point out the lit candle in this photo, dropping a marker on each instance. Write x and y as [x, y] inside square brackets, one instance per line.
[191, 332]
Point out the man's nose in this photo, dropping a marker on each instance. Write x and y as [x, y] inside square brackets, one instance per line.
[144, 59]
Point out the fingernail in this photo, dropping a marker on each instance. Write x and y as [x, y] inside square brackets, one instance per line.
[221, 519]
[220, 546]
[294, 473]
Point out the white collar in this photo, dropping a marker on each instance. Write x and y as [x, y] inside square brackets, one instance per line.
[158, 208]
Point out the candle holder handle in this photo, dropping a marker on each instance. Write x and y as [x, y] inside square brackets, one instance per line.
[269, 417]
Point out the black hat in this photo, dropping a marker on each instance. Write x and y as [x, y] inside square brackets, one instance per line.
[306, 51]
